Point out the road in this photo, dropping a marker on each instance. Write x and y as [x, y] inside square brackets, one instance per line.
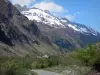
[43, 72]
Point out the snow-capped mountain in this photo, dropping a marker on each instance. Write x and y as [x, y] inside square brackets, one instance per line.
[47, 18]
[79, 27]
[60, 30]
[43, 16]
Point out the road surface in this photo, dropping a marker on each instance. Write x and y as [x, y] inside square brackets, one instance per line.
[43, 72]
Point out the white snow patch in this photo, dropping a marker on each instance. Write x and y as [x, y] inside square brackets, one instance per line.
[64, 20]
[41, 16]
[83, 30]
[73, 27]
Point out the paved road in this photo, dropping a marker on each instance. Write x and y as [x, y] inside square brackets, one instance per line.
[43, 72]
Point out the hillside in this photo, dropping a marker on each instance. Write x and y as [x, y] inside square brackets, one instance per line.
[19, 36]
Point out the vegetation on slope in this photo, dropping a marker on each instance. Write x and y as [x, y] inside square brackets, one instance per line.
[78, 62]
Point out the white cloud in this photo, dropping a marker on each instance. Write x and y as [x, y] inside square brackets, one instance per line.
[77, 13]
[51, 6]
[73, 16]
[22, 2]
[70, 17]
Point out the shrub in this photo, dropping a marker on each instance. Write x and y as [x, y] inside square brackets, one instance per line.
[45, 62]
[88, 56]
[8, 68]
[14, 65]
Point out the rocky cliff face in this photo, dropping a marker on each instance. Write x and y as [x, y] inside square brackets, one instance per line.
[17, 31]
[15, 26]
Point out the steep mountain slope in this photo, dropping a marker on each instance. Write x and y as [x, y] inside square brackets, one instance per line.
[18, 35]
[61, 31]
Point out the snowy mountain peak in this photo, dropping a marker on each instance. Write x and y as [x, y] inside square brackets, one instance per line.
[64, 19]
[47, 11]
[83, 29]
[43, 16]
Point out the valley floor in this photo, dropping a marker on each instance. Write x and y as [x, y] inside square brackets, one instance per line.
[79, 62]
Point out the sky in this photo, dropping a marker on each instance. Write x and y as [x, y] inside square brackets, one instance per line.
[81, 11]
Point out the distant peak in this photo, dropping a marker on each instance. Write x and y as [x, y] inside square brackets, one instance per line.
[47, 11]
[64, 18]
[34, 8]
[16, 5]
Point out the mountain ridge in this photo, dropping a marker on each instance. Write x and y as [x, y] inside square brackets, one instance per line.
[32, 12]
[54, 28]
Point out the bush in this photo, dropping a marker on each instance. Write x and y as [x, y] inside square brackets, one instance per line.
[8, 68]
[45, 62]
[17, 65]
[88, 56]
[14, 65]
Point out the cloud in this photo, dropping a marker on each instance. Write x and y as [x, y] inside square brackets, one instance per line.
[77, 13]
[70, 17]
[51, 6]
[73, 16]
[22, 2]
